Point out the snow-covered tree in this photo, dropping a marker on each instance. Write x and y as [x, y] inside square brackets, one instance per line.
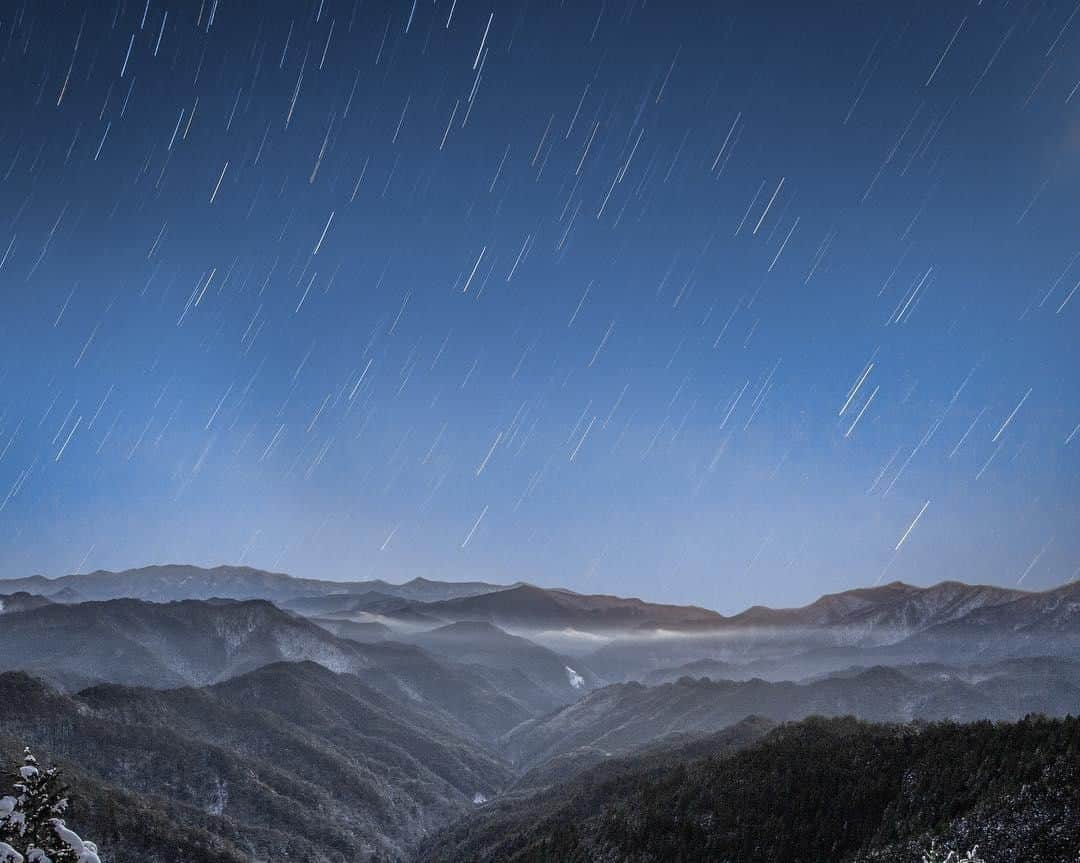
[31, 829]
[935, 855]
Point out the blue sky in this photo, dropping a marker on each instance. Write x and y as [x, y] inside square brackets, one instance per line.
[568, 293]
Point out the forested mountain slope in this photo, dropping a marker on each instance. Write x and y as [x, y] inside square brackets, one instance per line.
[289, 762]
[836, 790]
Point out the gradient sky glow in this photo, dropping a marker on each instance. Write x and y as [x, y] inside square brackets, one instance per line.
[570, 293]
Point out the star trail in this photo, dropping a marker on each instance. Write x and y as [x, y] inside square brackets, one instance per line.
[721, 303]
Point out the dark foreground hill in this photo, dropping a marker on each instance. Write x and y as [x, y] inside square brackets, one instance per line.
[290, 762]
[835, 790]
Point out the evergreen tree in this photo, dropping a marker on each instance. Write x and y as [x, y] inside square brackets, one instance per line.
[936, 856]
[31, 829]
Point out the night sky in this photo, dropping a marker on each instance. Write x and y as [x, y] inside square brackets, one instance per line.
[723, 303]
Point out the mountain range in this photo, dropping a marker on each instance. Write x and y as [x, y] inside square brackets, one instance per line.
[199, 642]
[875, 616]
[246, 714]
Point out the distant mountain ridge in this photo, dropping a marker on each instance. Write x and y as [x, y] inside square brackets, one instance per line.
[895, 605]
[613, 638]
[882, 614]
[177, 581]
[864, 617]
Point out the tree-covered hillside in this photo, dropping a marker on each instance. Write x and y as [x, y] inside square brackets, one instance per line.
[818, 790]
